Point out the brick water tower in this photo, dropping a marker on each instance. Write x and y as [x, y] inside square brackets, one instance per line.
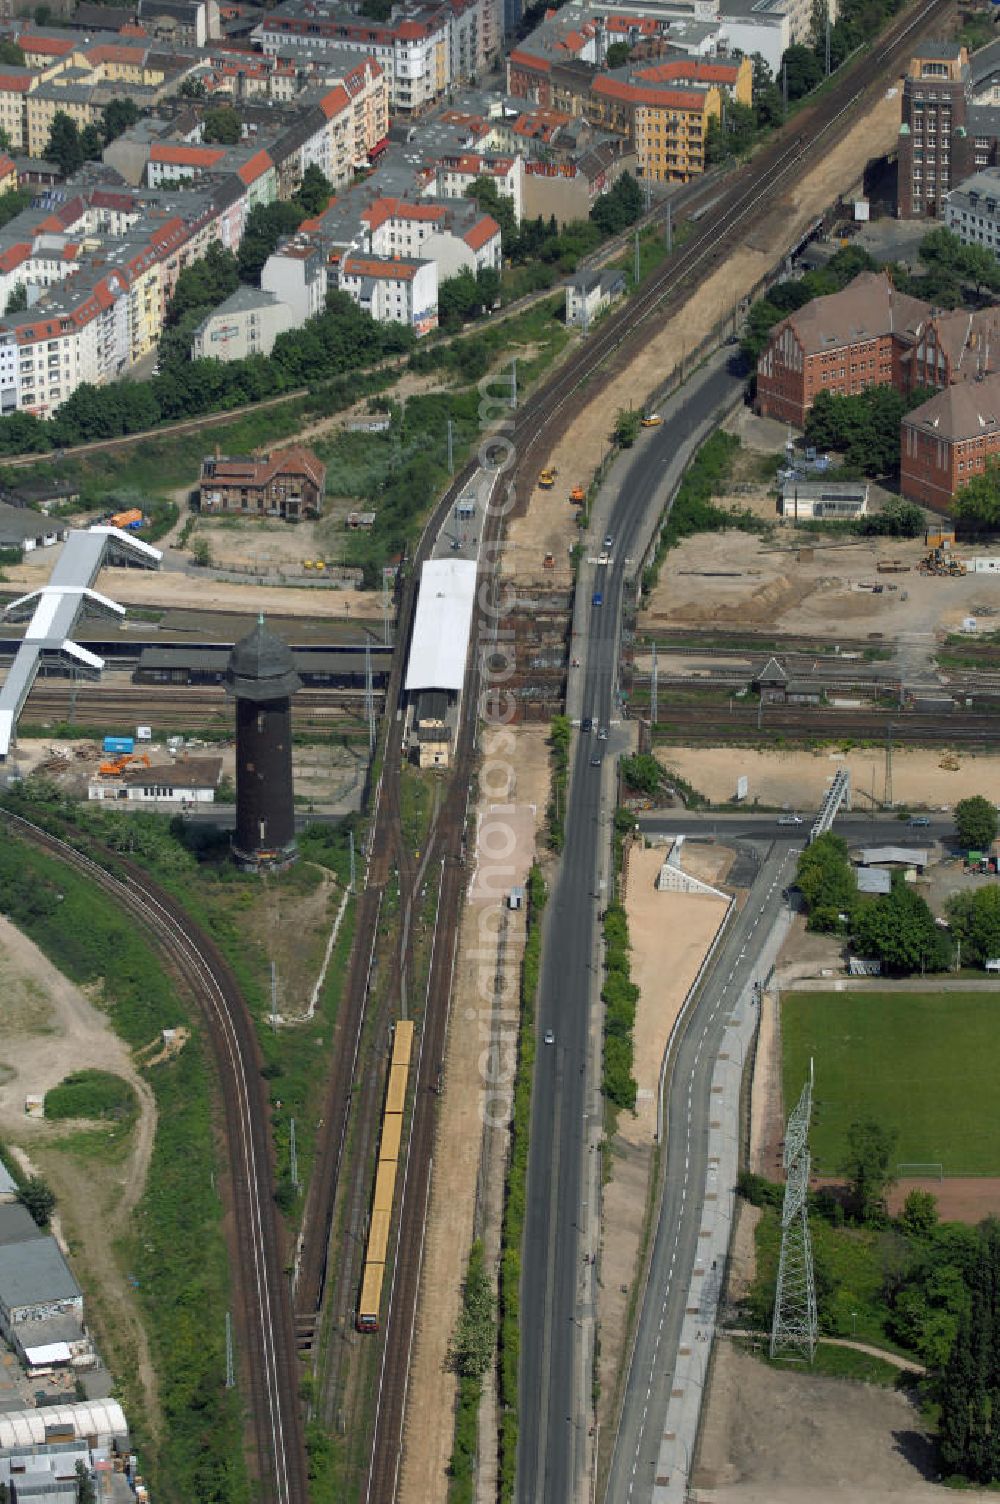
[261, 677]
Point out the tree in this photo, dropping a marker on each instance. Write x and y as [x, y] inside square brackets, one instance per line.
[118, 116]
[18, 300]
[204, 284]
[63, 146]
[221, 126]
[617, 54]
[192, 88]
[38, 1198]
[901, 932]
[642, 773]
[868, 1167]
[11, 53]
[975, 923]
[314, 192]
[484, 192]
[626, 429]
[919, 1216]
[978, 500]
[85, 1491]
[91, 144]
[266, 225]
[827, 884]
[975, 822]
[620, 207]
[802, 70]
[201, 553]
[473, 1346]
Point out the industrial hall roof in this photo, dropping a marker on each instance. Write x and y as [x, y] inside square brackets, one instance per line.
[261, 667]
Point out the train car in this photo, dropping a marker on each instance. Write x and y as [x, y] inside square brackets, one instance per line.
[385, 1185]
[402, 1042]
[378, 1238]
[395, 1097]
[371, 1298]
[392, 1132]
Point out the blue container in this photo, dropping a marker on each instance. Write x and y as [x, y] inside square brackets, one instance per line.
[119, 744]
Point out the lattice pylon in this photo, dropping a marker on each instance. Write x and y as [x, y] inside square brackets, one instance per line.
[794, 1326]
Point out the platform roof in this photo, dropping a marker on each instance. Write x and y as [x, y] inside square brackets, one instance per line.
[442, 625]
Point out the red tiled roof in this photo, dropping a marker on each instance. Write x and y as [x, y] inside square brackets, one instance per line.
[399, 208]
[689, 68]
[335, 102]
[10, 83]
[114, 52]
[411, 31]
[178, 155]
[46, 46]
[528, 60]
[248, 470]
[664, 99]
[258, 164]
[6, 166]
[14, 255]
[482, 233]
[364, 266]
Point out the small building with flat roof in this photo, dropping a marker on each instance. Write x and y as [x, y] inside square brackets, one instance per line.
[35, 1284]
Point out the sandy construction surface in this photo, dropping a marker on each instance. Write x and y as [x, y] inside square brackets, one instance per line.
[142, 587]
[799, 779]
[549, 523]
[774, 1437]
[670, 934]
[796, 584]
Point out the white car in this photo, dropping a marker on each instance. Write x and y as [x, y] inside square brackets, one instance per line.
[789, 819]
[549, 1037]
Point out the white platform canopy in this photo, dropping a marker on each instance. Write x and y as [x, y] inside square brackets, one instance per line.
[442, 625]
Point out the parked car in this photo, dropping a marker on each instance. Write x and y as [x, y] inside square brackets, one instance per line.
[651, 420]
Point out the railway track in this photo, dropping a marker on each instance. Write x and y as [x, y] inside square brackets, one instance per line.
[265, 1330]
[532, 433]
[709, 724]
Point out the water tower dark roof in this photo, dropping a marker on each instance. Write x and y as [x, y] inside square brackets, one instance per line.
[261, 668]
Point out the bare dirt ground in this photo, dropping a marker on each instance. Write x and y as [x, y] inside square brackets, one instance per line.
[51, 1029]
[773, 1437]
[799, 779]
[670, 934]
[793, 582]
[464, 1200]
[549, 525]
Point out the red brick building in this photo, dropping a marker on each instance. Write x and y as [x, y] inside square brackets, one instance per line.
[948, 440]
[860, 337]
[289, 483]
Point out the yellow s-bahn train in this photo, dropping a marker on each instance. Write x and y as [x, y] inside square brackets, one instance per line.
[390, 1142]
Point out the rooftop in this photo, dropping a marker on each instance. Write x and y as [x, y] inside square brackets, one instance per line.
[441, 626]
[866, 308]
[966, 410]
[34, 1272]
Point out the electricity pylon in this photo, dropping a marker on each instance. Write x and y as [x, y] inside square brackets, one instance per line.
[793, 1329]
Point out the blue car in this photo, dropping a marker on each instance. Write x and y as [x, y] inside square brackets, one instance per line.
[598, 598]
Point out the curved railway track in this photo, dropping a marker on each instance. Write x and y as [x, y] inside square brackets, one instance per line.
[268, 1348]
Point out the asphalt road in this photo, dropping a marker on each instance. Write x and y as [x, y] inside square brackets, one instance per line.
[856, 828]
[650, 1378]
[552, 1434]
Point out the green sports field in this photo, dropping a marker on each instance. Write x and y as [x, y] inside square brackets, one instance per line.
[924, 1063]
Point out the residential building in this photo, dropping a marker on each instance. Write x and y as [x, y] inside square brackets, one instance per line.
[569, 189]
[948, 440]
[972, 209]
[666, 123]
[588, 294]
[843, 344]
[288, 483]
[396, 290]
[457, 236]
[295, 274]
[47, 100]
[247, 323]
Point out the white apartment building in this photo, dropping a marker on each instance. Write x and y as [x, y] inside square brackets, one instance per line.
[247, 323]
[456, 239]
[296, 275]
[399, 290]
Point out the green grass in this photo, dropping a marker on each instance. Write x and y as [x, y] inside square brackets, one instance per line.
[845, 1363]
[926, 1064]
[91, 1094]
